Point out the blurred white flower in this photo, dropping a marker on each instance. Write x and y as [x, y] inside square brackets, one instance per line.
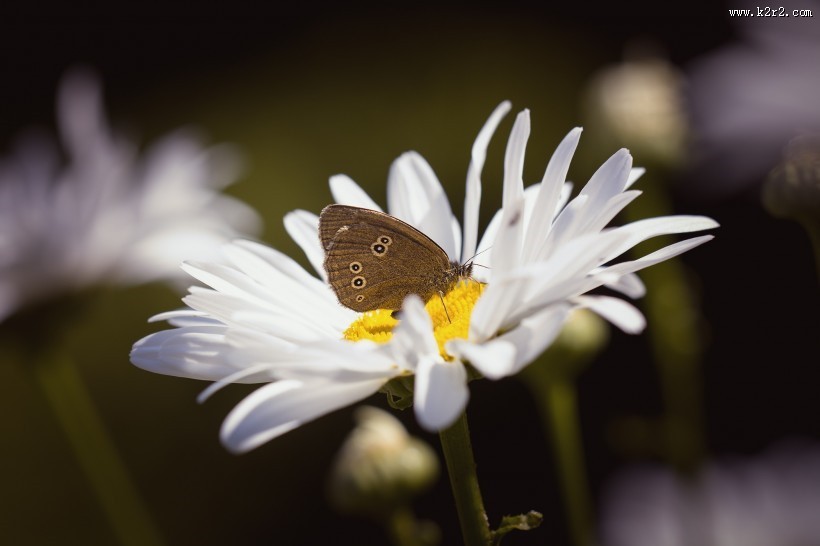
[751, 97]
[770, 501]
[108, 214]
[639, 103]
[266, 319]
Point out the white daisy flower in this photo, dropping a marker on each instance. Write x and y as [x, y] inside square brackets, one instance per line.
[108, 214]
[265, 319]
[766, 501]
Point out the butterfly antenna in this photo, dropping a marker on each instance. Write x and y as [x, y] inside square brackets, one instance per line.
[476, 254]
[441, 295]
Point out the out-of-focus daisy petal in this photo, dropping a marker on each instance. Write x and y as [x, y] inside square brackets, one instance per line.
[103, 212]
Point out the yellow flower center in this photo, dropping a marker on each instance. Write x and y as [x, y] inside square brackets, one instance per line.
[459, 302]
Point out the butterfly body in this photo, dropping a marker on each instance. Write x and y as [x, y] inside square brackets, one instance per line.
[374, 260]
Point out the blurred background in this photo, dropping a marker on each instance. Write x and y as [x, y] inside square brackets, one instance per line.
[305, 93]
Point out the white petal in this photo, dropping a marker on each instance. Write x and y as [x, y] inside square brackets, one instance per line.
[607, 212]
[303, 228]
[80, 111]
[441, 393]
[607, 182]
[185, 317]
[282, 406]
[549, 193]
[279, 262]
[563, 199]
[534, 334]
[642, 230]
[494, 359]
[563, 227]
[282, 326]
[193, 352]
[346, 192]
[658, 256]
[483, 253]
[508, 353]
[617, 311]
[415, 195]
[602, 191]
[413, 336]
[610, 178]
[283, 276]
[531, 288]
[514, 159]
[472, 196]
[506, 251]
[634, 175]
[629, 285]
[219, 277]
[236, 292]
[260, 372]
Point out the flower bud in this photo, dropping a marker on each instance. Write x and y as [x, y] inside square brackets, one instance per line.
[792, 189]
[380, 467]
[639, 104]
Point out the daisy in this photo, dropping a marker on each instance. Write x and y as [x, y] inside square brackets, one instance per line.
[265, 319]
[108, 214]
[771, 499]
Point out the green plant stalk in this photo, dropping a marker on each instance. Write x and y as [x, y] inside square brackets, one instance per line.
[673, 315]
[72, 406]
[458, 453]
[558, 404]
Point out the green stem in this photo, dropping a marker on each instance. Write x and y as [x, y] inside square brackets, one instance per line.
[559, 408]
[672, 310]
[75, 412]
[458, 453]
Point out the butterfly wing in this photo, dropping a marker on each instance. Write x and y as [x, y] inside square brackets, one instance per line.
[373, 260]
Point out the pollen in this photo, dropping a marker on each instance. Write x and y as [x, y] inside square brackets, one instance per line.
[452, 323]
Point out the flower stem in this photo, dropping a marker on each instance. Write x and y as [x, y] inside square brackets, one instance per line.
[458, 453]
[559, 407]
[671, 307]
[72, 406]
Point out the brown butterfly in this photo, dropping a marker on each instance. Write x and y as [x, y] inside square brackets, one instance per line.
[373, 260]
